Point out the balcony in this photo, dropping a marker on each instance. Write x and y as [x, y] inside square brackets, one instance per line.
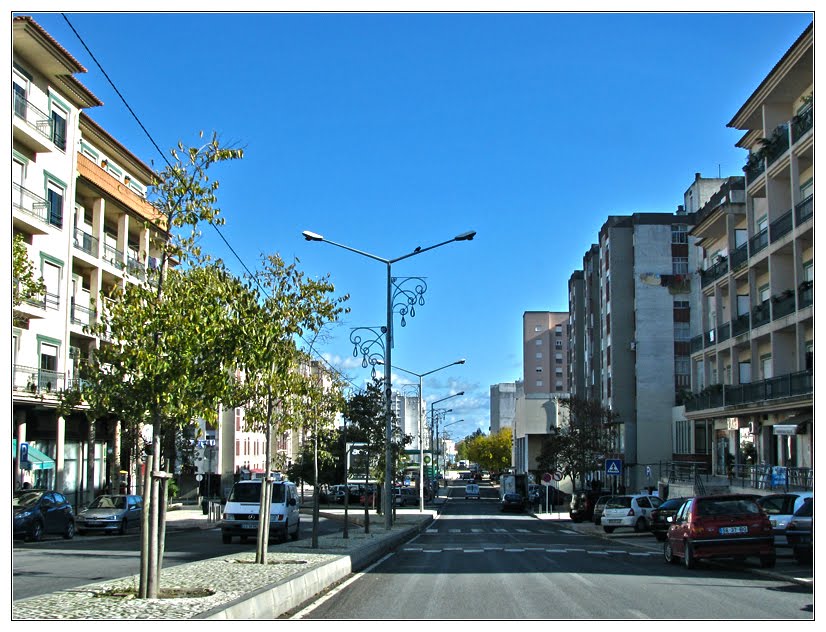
[34, 380]
[740, 325]
[724, 332]
[802, 123]
[759, 241]
[86, 243]
[113, 256]
[781, 226]
[718, 395]
[805, 294]
[739, 256]
[755, 166]
[803, 210]
[709, 338]
[783, 304]
[32, 127]
[761, 314]
[81, 315]
[714, 272]
[696, 344]
[778, 143]
[33, 209]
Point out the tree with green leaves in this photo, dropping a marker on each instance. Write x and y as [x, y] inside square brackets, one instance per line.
[26, 285]
[492, 452]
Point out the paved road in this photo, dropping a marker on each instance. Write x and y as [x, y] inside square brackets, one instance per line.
[56, 564]
[476, 563]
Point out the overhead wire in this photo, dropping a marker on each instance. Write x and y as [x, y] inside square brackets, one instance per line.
[166, 160]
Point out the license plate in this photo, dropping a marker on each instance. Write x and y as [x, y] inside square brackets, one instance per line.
[730, 530]
[612, 521]
[774, 523]
[249, 526]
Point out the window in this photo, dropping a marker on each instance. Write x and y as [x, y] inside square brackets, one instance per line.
[679, 265]
[54, 198]
[558, 344]
[682, 365]
[539, 369]
[558, 371]
[762, 223]
[559, 385]
[608, 355]
[51, 278]
[766, 366]
[538, 355]
[808, 270]
[682, 332]
[539, 342]
[807, 188]
[59, 117]
[20, 87]
[558, 330]
[679, 234]
[764, 293]
[607, 323]
[539, 382]
[537, 328]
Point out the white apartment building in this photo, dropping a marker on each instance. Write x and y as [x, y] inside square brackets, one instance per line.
[78, 201]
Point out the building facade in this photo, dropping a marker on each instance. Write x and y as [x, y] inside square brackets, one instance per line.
[545, 352]
[502, 406]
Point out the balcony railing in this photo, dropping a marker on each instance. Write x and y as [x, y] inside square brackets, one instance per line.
[718, 395]
[714, 272]
[30, 203]
[113, 256]
[781, 226]
[739, 256]
[772, 477]
[803, 210]
[34, 380]
[709, 338]
[754, 168]
[805, 294]
[802, 123]
[724, 332]
[696, 344]
[779, 144]
[759, 241]
[35, 118]
[761, 314]
[740, 325]
[783, 304]
[81, 315]
[52, 301]
[135, 268]
[85, 242]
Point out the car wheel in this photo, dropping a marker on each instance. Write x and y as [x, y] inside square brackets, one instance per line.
[689, 559]
[226, 538]
[69, 532]
[640, 525]
[123, 527]
[37, 532]
[768, 561]
[294, 536]
[668, 553]
[609, 529]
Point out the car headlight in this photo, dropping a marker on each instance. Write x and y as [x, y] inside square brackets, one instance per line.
[23, 515]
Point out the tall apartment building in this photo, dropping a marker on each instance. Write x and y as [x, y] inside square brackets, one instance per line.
[752, 360]
[78, 201]
[502, 406]
[576, 331]
[545, 352]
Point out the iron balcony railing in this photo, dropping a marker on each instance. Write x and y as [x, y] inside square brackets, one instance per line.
[719, 395]
[135, 268]
[741, 324]
[761, 314]
[754, 169]
[739, 256]
[113, 256]
[81, 315]
[85, 242]
[714, 272]
[35, 380]
[783, 304]
[724, 332]
[779, 144]
[781, 226]
[803, 210]
[696, 344]
[802, 123]
[34, 118]
[759, 241]
[805, 294]
[52, 301]
[30, 203]
[773, 477]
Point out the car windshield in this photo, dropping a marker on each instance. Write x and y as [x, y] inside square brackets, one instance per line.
[726, 507]
[251, 493]
[108, 502]
[618, 502]
[674, 503]
[26, 499]
[806, 509]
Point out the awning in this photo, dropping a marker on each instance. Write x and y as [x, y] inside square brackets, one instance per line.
[792, 425]
[37, 461]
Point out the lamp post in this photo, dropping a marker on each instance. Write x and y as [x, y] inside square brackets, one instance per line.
[445, 434]
[388, 467]
[421, 433]
[435, 420]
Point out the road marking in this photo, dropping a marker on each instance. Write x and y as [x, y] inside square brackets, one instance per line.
[569, 532]
[556, 550]
[476, 530]
[432, 531]
[523, 531]
[431, 550]
[612, 551]
[597, 552]
[473, 550]
[500, 530]
[454, 530]
[536, 548]
[514, 550]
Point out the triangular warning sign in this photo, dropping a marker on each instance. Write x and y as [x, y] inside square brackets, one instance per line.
[612, 468]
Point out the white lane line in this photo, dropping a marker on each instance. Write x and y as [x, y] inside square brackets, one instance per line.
[500, 530]
[473, 550]
[534, 548]
[431, 550]
[454, 530]
[597, 552]
[514, 550]
[568, 532]
[556, 550]
[523, 531]
[476, 530]
[431, 531]
[613, 551]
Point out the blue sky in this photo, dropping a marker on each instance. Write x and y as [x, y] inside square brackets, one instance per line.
[386, 132]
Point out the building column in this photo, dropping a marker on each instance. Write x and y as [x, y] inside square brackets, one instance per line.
[20, 423]
[60, 441]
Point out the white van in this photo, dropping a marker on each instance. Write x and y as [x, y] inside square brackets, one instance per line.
[472, 491]
[241, 511]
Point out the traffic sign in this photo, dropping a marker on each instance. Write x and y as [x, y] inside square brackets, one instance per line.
[547, 478]
[558, 475]
[613, 467]
[24, 452]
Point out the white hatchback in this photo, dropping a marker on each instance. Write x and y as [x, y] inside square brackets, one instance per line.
[472, 491]
[629, 511]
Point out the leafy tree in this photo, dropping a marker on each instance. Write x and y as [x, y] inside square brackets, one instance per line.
[26, 284]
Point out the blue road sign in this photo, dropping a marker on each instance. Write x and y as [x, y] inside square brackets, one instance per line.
[613, 467]
[24, 452]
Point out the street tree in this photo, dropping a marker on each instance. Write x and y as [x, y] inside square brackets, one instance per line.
[26, 284]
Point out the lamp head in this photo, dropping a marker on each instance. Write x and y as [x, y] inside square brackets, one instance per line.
[310, 236]
[462, 361]
[468, 236]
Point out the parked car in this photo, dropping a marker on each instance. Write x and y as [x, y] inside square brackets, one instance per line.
[472, 491]
[405, 496]
[629, 511]
[799, 532]
[599, 508]
[110, 513]
[659, 523]
[513, 502]
[38, 512]
[582, 504]
[780, 509]
[730, 525]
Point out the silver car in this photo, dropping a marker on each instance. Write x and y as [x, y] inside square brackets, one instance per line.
[110, 512]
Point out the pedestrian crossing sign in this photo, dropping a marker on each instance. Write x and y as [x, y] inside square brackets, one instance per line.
[613, 467]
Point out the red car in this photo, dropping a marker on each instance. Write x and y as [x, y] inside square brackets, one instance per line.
[730, 525]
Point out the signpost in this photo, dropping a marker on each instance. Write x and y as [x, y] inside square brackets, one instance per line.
[613, 467]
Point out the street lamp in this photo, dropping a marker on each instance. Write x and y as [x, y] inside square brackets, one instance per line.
[388, 430]
[434, 419]
[444, 434]
[421, 433]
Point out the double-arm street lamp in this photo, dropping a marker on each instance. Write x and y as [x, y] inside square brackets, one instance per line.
[421, 429]
[388, 333]
[444, 434]
[434, 419]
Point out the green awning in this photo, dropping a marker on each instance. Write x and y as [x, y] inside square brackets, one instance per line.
[37, 461]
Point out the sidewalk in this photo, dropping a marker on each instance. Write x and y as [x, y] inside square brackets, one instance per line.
[239, 588]
[787, 569]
